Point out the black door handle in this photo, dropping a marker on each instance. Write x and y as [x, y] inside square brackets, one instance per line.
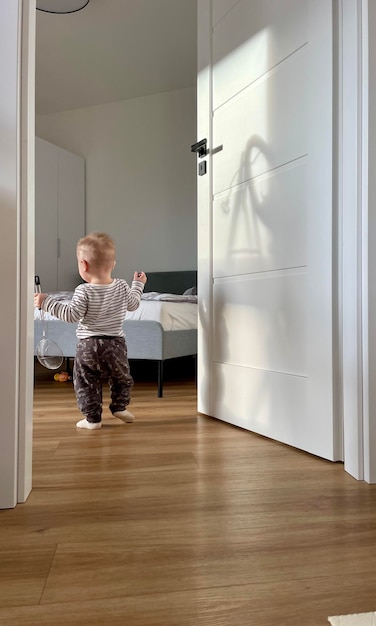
[200, 148]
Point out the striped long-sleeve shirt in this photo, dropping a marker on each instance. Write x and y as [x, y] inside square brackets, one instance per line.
[98, 309]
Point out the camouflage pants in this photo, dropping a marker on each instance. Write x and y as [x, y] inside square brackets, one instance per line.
[101, 359]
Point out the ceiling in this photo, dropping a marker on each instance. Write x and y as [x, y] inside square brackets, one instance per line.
[114, 50]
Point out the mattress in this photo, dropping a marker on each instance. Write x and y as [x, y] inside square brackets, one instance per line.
[171, 315]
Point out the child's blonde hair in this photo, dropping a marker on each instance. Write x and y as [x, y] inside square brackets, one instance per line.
[98, 249]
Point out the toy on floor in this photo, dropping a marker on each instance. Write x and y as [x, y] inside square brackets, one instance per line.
[62, 377]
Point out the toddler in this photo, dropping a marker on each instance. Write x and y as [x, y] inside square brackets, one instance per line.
[99, 306]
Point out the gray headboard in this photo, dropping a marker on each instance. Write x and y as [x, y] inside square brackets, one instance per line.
[171, 282]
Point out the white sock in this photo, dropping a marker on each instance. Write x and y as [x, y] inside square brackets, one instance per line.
[90, 425]
[125, 416]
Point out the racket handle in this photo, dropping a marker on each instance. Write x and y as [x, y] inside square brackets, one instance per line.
[37, 287]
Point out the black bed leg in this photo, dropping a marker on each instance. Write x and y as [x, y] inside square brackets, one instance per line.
[160, 379]
[68, 367]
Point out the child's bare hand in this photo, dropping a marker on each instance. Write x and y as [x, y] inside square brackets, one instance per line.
[38, 299]
[141, 276]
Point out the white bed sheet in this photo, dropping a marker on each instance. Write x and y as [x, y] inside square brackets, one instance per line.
[171, 315]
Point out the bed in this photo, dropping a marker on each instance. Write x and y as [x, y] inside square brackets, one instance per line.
[164, 327]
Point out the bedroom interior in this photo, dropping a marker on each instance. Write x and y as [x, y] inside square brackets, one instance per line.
[124, 156]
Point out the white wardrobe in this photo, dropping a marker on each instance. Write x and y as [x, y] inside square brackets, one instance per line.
[59, 215]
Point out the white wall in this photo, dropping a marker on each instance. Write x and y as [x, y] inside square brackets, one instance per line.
[140, 175]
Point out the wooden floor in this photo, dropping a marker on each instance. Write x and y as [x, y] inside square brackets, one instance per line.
[180, 520]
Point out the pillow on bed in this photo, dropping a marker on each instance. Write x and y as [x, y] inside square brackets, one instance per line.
[192, 291]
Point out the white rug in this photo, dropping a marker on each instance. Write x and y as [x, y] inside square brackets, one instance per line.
[359, 619]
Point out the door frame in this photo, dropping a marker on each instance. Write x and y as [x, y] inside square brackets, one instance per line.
[17, 71]
[353, 227]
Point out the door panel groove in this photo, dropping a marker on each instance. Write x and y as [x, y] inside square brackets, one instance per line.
[263, 77]
[265, 174]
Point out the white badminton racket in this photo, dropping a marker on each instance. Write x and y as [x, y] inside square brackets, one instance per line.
[49, 353]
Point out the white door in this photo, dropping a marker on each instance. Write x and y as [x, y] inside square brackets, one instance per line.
[265, 219]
